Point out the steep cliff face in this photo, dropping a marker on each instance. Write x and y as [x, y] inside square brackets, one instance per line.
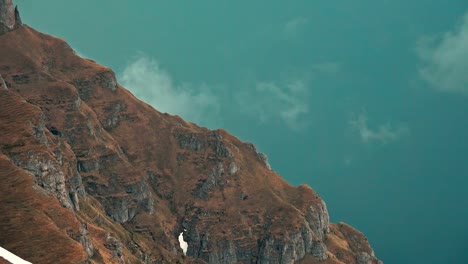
[90, 174]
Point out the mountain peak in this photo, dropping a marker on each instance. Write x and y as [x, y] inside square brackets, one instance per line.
[9, 16]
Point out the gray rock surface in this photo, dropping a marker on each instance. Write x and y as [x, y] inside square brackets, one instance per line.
[47, 174]
[260, 156]
[291, 247]
[125, 204]
[116, 248]
[39, 130]
[215, 180]
[190, 141]
[233, 168]
[264, 159]
[120, 208]
[287, 248]
[364, 258]
[318, 219]
[85, 240]
[219, 147]
[9, 16]
[107, 80]
[271, 250]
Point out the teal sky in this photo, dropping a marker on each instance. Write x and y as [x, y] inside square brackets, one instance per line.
[366, 101]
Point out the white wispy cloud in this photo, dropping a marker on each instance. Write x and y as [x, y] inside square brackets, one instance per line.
[445, 59]
[145, 78]
[267, 101]
[327, 67]
[270, 102]
[293, 26]
[383, 133]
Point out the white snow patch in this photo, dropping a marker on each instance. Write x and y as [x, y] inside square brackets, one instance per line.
[182, 243]
[12, 257]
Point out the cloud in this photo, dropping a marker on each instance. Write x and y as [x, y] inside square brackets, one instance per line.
[267, 101]
[383, 133]
[293, 26]
[270, 102]
[146, 79]
[445, 59]
[327, 67]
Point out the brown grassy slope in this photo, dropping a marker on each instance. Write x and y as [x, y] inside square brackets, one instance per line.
[4, 261]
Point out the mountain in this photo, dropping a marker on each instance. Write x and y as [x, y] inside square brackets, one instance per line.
[91, 174]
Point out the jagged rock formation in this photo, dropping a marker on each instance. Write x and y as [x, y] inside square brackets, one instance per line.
[9, 16]
[108, 179]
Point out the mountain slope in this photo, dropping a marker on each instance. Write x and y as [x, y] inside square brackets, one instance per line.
[91, 174]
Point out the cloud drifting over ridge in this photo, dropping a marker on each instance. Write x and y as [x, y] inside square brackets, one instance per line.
[265, 101]
[146, 79]
[445, 59]
[384, 133]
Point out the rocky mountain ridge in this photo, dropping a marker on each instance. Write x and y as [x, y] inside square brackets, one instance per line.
[90, 174]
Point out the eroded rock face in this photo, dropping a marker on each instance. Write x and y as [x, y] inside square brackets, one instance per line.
[47, 174]
[9, 16]
[291, 248]
[260, 156]
[215, 180]
[318, 219]
[269, 249]
[115, 246]
[198, 142]
[85, 240]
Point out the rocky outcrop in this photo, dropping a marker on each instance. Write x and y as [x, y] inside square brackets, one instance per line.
[190, 141]
[124, 207]
[291, 247]
[198, 142]
[260, 156]
[215, 180]
[115, 246]
[318, 219]
[9, 17]
[269, 249]
[85, 240]
[47, 174]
